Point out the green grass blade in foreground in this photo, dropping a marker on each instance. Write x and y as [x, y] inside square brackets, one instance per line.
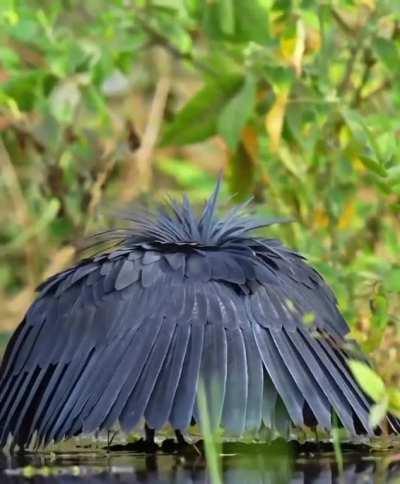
[211, 441]
[335, 433]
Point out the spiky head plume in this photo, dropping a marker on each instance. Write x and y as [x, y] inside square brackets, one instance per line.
[175, 224]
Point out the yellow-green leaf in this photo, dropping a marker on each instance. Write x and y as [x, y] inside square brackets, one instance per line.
[370, 382]
[394, 401]
[275, 118]
[378, 412]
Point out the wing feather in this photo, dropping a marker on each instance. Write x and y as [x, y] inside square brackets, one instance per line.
[184, 402]
[235, 400]
[304, 379]
[346, 383]
[255, 382]
[137, 400]
[325, 375]
[109, 407]
[270, 396]
[279, 374]
[159, 407]
[213, 372]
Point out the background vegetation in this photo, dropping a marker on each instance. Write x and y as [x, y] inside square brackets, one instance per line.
[103, 102]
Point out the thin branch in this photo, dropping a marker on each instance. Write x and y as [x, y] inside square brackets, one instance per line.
[345, 84]
[138, 177]
[386, 84]
[96, 190]
[343, 24]
[359, 35]
[369, 63]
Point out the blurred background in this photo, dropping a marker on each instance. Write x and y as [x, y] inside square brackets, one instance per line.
[106, 102]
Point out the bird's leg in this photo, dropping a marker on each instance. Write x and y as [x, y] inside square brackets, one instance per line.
[179, 445]
[12, 447]
[110, 440]
[150, 445]
[149, 434]
[180, 438]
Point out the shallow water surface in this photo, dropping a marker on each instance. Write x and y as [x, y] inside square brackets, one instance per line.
[258, 466]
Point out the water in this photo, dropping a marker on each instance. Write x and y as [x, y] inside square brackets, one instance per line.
[255, 466]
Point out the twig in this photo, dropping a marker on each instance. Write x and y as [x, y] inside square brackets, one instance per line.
[359, 36]
[386, 84]
[138, 176]
[345, 84]
[369, 62]
[96, 188]
[342, 23]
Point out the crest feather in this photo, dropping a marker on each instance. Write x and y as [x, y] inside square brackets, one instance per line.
[175, 223]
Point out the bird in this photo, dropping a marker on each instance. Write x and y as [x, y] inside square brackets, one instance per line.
[182, 303]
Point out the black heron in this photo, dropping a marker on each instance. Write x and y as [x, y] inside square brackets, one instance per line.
[128, 335]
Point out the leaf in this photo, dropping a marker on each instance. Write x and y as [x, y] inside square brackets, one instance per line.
[64, 100]
[365, 139]
[226, 16]
[275, 117]
[347, 216]
[252, 22]
[394, 401]
[394, 175]
[250, 142]
[48, 214]
[236, 21]
[378, 412]
[242, 173]
[388, 53]
[300, 45]
[380, 316]
[372, 165]
[371, 383]
[237, 112]
[320, 218]
[198, 119]
[392, 280]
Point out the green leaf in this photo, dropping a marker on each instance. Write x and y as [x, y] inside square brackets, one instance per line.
[24, 88]
[378, 412]
[373, 165]
[236, 21]
[380, 306]
[364, 139]
[8, 57]
[48, 214]
[237, 112]
[198, 119]
[388, 53]
[252, 22]
[370, 382]
[394, 401]
[394, 175]
[392, 280]
[226, 16]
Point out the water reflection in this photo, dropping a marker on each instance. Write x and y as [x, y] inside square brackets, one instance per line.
[100, 468]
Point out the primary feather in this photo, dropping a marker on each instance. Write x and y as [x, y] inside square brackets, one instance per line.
[127, 335]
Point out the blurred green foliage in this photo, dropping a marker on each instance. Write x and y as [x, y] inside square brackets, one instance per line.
[298, 101]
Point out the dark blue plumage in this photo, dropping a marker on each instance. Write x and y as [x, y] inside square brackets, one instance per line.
[126, 336]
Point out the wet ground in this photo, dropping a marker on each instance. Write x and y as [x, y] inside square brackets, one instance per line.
[254, 465]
